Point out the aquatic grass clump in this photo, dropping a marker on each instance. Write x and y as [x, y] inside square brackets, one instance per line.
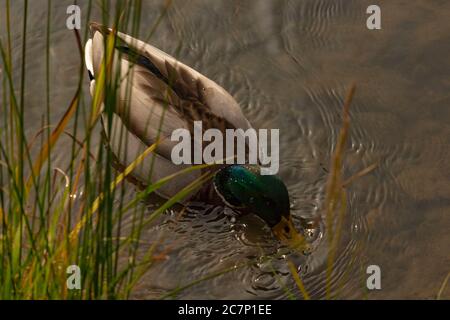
[54, 217]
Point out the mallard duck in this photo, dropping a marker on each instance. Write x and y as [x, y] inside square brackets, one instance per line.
[154, 85]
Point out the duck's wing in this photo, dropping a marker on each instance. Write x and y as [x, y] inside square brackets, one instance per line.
[158, 94]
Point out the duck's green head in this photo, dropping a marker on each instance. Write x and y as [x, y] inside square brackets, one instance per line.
[243, 187]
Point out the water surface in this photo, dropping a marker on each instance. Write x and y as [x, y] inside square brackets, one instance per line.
[289, 65]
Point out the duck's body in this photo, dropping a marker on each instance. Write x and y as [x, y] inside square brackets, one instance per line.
[164, 95]
[157, 95]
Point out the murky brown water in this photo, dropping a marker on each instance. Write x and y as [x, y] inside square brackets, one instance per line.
[289, 64]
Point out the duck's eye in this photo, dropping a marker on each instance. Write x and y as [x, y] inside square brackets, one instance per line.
[286, 229]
